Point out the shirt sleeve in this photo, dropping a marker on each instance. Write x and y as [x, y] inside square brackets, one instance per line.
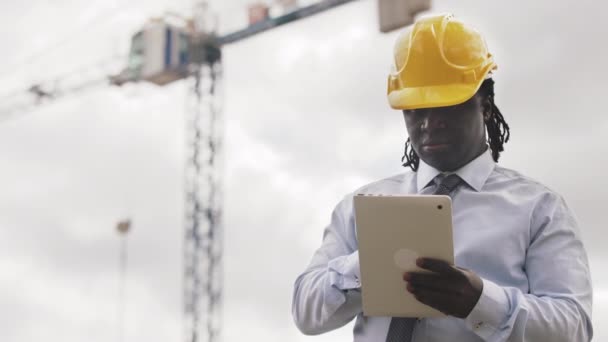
[557, 306]
[326, 295]
[344, 272]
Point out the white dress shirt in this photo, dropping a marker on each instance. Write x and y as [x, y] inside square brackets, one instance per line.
[516, 234]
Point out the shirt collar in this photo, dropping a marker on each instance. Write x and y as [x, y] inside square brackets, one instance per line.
[475, 173]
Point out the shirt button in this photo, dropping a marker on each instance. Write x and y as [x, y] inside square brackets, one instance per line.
[478, 325]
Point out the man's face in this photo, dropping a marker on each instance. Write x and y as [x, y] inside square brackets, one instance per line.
[447, 138]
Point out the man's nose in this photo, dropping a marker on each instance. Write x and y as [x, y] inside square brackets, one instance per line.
[433, 121]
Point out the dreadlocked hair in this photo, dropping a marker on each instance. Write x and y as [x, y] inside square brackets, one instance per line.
[496, 126]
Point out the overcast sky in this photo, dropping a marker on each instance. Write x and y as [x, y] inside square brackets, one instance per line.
[306, 122]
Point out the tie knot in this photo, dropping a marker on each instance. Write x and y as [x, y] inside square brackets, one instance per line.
[447, 184]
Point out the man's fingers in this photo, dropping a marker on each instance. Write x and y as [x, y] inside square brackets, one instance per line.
[437, 265]
[419, 277]
[437, 300]
[431, 281]
[448, 289]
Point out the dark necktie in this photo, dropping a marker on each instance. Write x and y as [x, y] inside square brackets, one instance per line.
[401, 328]
[447, 184]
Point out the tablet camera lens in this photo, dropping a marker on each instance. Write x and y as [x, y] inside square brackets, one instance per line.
[440, 207]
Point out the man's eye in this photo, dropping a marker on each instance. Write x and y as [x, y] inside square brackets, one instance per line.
[412, 113]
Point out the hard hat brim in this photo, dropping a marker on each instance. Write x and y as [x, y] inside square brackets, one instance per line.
[432, 96]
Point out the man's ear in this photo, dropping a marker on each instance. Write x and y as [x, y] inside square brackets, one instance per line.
[487, 109]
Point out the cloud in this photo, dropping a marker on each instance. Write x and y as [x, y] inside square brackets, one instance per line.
[306, 123]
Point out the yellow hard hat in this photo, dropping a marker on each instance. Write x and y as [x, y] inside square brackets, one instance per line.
[439, 61]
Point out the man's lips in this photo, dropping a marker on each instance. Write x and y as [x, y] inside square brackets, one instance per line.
[435, 146]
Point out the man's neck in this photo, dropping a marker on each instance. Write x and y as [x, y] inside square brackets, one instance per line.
[454, 169]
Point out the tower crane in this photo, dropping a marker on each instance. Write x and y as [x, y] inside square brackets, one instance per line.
[172, 48]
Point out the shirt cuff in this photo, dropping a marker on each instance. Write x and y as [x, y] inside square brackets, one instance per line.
[344, 272]
[490, 311]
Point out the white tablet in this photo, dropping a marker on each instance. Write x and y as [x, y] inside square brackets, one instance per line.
[392, 232]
